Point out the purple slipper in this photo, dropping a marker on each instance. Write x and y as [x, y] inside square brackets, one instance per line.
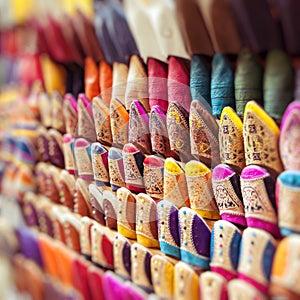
[290, 137]
[258, 191]
[227, 191]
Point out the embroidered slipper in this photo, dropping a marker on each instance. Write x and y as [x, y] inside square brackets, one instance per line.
[126, 213]
[175, 186]
[122, 256]
[186, 282]
[44, 103]
[204, 134]
[101, 114]
[56, 148]
[58, 121]
[231, 139]
[159, 134]
[222, 84]
[72, 231]
[193, 249]
[96, 201]
[83, 159]
[120, 75]
[248, 80]
[168, 230]
[58, 213]
[82, 205]
[162, 273]
[261, 136]
[85, 127]
[256, 257]
[91, 78]
[29, 210]
[200, 80]
[42, 144]
[41, 177]
[287, 192]
[198, 179]
[85, 237]
[138, 132]
[133, 160]
[225, 249]
[241, 289]
[70, 114]
[52, 188]
[141, 266]
[213, 286]
[105, 81]
[69, 156]
[119, 121]
[157, 83]
[111, 208]
[154, 177]
[146, 222]
[116, 169]
[179, 82]
[284, 276]
[102, 246]
[289, 137]
[137, 83]
[178, 131]
[278, 83]
[258, 191]
[100, 164]
[227, 191]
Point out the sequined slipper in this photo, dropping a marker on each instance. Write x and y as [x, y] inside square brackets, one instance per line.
[225, 249]
[256, 257]
[193, 249]
[162, 273]
[122, 256]
[213, 286]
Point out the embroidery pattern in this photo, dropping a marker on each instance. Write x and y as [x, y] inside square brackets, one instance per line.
[231, 143]
[260, 143]
[154, 182]
[115, 173]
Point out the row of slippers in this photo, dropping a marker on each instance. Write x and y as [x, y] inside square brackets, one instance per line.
[247, 256]
[252, 198]
[178, 134]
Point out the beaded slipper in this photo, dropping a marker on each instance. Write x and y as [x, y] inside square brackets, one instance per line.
[126, 213]
[213, 286]
[225, 249]
[168, 230]
[146, 222]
